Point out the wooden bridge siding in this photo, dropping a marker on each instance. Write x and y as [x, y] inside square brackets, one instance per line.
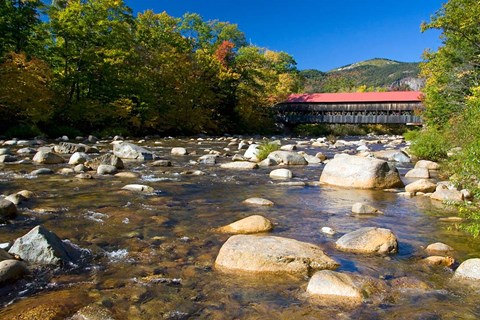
[355, 113]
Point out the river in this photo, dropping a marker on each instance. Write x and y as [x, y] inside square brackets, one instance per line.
[154, 254]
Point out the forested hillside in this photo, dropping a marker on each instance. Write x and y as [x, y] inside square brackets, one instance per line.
[93, 67]
[370, 75]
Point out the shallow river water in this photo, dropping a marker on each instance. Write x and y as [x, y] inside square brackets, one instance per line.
[154, 254]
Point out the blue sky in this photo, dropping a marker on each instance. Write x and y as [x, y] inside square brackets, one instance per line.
[321, 34]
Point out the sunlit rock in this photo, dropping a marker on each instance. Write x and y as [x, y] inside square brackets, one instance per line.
[369, 240]
[251, 224]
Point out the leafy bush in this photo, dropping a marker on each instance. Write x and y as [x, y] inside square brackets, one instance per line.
[266, 148]
[23, 131]
[430, 144]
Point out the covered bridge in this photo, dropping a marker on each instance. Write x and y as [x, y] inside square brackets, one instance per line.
[396, 107]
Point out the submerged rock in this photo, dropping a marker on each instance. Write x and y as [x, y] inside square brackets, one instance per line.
[40, 246]
[251, 224]
[333, 284]
[369, 240]
[358, 172]
[256, 254]
[362, 208]
[439, 261]
[258, 202]
[126, 150]
[93, 312]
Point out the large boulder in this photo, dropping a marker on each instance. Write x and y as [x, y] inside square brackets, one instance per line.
[368, 240]
[256, 254]
[421, 185]
[126, 150]
[8, 210]
[40, 246]
[362, 173]
[47, 157]
[251, 224]
[11, 270]
[108, 158]
[333, 284]
[469, 269]
[287, 158]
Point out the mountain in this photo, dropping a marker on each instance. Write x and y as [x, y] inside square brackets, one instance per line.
[374, 74]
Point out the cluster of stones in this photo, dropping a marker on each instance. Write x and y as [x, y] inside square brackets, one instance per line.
[244, 251]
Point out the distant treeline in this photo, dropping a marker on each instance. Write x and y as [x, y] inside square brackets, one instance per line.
[91, 66]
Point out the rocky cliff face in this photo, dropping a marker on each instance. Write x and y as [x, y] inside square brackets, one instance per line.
[408, 83]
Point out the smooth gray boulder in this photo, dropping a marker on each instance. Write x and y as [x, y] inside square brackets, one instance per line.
[469, 269]
[8, 210]
[393, 155]
[42, 171]
[420, 173]
[126, 150]
[105, 169]
[333, 284]
[369, 240]
[362, 173]
[40, 246]
[281, 174]
[208, 159]
[107, 158]
[252, 151]
[11, 270]
[269, 254]
[46, 157]
[178, 151]
[78, 158]
[287, 158]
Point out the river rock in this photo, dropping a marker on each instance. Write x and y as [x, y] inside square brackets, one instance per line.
[42, 171]
[439, 261]
[256, 254]
[208, 159]
[420, 173]
[251, 152]
[426, 164]
[138, 188]
[4, 255]
[78, 158]
[447, 195]
[6, 158]
[438, 247]
[363, 208]
[5, 151]
[27, 194]
[126, 150]
[108, 158]
[11, 270]
[26, 151]
[312, 159]
[393, 155]
[8, 210]
[469, 269]
[288, 147]
[333, 284]
[105, 169]
[369, 240]
[93, 312]
[258, 202]
[421, 185]
[251, 224]
[178, 151]
[281, 174]
[357, 172]
[67, 147]
[40, 246]
[287, 158]
[267, 163]
[47, 158]
[162, 163]
[239, 165]
[15, 198]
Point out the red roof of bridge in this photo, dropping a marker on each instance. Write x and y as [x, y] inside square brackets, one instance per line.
[366, 97]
